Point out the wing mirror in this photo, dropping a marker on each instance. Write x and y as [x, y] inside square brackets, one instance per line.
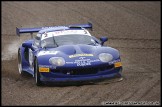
[28, 45]
[103, 40]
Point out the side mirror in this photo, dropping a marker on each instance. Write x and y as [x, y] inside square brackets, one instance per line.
[28, 45]
[103, 40]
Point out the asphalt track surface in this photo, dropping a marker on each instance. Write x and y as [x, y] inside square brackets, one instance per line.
[132, 27]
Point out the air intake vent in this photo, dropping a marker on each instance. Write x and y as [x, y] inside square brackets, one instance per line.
[75, 27]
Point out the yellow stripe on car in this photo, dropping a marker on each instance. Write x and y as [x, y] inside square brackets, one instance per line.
[118, 64]
[42, 69]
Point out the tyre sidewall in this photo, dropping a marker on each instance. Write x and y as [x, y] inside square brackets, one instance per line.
[37, 74]
[20, 62]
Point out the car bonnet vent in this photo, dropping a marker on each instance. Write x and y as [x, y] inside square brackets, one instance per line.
[75, 27]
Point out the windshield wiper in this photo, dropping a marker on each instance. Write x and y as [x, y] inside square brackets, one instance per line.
[55, 41]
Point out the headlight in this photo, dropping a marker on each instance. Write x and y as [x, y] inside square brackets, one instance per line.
[105, 57]
[58, 61]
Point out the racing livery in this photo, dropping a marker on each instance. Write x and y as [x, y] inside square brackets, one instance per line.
[67, 54]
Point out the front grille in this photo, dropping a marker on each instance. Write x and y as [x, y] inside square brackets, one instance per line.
[82, 71]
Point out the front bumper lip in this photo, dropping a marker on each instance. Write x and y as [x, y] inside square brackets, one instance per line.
[82, 78]
[94, 78]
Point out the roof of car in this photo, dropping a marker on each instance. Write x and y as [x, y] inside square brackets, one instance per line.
[49, 32]
[59, 28]
[49, 29]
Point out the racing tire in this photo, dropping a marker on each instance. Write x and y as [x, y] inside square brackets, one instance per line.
[37, 74]
[20, 63]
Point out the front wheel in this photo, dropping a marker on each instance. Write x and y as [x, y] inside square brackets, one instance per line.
[20, 62]
[37, 74]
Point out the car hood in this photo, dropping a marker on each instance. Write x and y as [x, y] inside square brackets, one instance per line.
[69, 50]
[74, 52]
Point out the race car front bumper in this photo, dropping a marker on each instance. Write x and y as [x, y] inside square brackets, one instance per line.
[58, 78]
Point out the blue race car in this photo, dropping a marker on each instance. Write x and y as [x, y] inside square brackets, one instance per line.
[67, 54]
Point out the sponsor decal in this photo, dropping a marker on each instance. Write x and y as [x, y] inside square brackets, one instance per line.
[83, 62]
[114, 61]
[77, 55]
[52, 27]
[66, 32]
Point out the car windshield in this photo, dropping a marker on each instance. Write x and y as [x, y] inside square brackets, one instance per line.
[72, 39]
